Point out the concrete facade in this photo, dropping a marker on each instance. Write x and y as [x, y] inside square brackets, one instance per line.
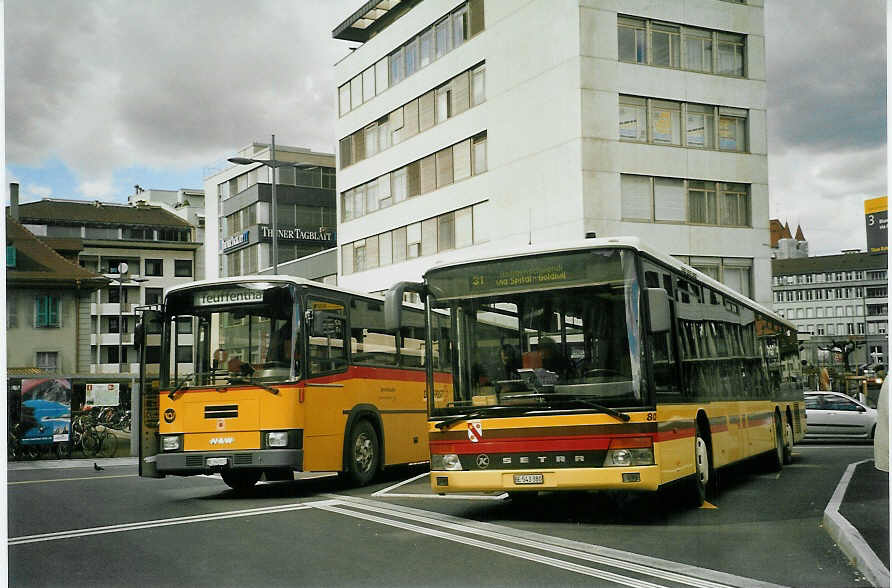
[160, 250]
[554, 156]
[238, 200]
[836, 299]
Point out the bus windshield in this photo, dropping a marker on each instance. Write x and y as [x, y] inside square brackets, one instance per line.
[234, 334]
[553, 332]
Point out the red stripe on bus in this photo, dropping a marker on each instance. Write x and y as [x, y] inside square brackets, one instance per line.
[527, 444]
[674, 434]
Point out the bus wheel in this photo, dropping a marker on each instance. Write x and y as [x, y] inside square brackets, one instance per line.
[788, 443]
[775, 459]
[241, 480]
[701, 470]
[363, 456]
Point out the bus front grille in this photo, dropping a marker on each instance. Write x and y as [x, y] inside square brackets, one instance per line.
[221, 411]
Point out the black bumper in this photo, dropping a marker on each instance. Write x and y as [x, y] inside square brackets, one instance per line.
[189, 463]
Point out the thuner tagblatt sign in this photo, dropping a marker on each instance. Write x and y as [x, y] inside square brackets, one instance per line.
[876, 213]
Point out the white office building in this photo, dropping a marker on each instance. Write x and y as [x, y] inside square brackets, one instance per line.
[463, 125]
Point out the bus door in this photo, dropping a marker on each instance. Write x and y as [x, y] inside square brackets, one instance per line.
[149, 328]
[325, 400]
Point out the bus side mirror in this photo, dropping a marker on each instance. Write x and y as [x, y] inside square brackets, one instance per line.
[658, 310]
[393, 303]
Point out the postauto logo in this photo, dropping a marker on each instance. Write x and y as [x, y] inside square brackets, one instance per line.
[221, 441]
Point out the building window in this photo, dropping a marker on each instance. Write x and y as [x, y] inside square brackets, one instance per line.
[734, 272]
[154, 295]
[659, 122]
[437, 170]
[432, 43]
[46, 312]
[665, 42]
[48, 361]
[113, 324]
[668, 45]
[693, 201]
[154, 267]
[698, 50]
[447, 231]
[632, 118]
[630, 33]
[182, 268]
[434, 107]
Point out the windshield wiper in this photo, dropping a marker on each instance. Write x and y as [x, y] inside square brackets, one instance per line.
[180, 385]
[619, 415]
[482, 411]
[269, 389]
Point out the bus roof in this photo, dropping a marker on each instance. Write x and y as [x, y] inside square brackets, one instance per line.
[294, 280]
[633, 243]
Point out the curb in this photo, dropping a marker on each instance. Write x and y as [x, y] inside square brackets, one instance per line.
[55, 464]
[849, 539]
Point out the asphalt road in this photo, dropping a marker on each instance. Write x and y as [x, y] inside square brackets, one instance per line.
[81, 527]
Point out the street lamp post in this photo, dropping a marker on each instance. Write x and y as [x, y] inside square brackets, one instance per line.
[121, 277]
[273, 164]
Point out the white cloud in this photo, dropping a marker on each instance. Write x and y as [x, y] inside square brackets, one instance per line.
[97, 189]
[825, 194]
[30, 192]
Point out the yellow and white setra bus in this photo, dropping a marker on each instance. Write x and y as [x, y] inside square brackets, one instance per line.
[599, 365]
[271, 375]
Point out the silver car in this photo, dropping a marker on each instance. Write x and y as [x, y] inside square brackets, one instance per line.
[831, 415]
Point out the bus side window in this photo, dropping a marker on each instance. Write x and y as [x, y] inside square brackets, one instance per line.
[369, 342]
[412, 339]
[663, 357]
[327, 330]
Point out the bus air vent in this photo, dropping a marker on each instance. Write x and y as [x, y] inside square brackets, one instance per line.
[194, 461]
[221, 411]
[242, 459]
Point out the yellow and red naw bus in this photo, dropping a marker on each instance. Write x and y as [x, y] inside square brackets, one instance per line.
[264, 376]
[599, 365]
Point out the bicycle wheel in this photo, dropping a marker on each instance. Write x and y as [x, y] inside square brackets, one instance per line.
[63, 449]
[90, 443]
[11, 446]
[108, 445]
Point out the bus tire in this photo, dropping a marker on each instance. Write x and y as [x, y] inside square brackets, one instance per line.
[775, 459]
[363, 454]
[788, 443]
[702, 470]
[240, 480]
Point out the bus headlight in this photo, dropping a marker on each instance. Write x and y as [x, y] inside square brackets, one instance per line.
[170, 442]
[629, 451]
[445, 462]
[277, 439]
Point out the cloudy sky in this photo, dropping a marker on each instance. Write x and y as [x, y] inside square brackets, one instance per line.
[105, 94]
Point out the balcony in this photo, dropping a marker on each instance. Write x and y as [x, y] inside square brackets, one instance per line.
[111, 308]
[110, 339]
[113, 369]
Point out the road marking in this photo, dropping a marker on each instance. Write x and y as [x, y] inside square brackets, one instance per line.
[403, 483]
[69, 479]
[75, 533]
[700, 576]
[550, 561]
[386, 493]
[623, 563]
